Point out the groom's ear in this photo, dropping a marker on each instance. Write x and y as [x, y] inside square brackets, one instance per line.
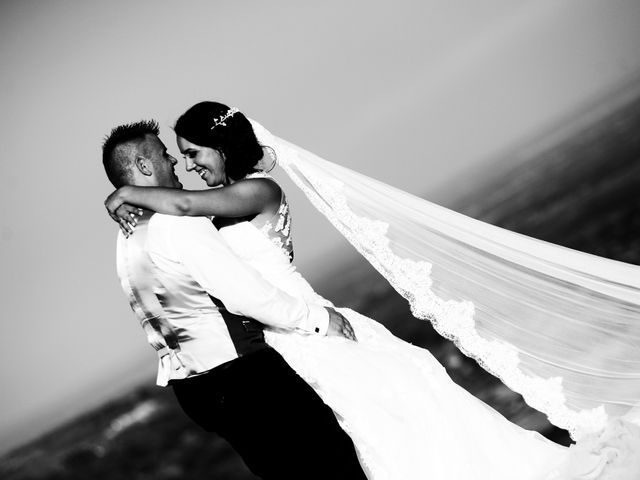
[143, 164]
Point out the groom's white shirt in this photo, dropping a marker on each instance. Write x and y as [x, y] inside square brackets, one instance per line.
[170, 266]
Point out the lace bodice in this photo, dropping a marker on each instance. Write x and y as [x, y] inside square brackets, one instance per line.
[278, 228]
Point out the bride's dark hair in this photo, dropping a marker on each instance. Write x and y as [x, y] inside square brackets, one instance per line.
[235, 140]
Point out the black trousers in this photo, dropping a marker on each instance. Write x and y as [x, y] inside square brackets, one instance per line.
[272, 418]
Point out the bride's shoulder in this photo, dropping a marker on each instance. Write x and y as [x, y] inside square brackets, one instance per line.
[262, 186]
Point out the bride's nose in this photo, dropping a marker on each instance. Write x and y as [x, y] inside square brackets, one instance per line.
[188, 163]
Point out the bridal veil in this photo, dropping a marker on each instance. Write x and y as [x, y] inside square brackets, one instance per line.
[558, 326]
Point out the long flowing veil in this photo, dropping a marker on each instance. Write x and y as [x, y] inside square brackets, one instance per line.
[558, 326]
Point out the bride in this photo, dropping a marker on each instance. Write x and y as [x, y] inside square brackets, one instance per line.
[555, 325]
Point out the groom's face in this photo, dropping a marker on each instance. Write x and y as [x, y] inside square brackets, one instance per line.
[163, 163]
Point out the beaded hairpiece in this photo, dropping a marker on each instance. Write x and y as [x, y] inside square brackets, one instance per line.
[221, 121]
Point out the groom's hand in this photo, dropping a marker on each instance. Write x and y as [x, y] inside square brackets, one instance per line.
[339, 326]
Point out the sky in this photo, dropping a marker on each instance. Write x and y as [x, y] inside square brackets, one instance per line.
[413, 93]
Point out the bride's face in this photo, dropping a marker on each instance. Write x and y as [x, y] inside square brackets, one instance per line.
[207, 162]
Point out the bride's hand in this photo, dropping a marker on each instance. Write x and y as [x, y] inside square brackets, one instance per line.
[122, 213]
[339, 326]
[127, 217]
[113, 201]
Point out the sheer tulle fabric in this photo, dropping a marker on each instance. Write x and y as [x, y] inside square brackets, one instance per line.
[558, 326]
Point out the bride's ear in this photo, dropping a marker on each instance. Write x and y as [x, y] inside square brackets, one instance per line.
[143, 164]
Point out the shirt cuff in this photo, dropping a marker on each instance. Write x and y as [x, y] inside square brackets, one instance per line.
[317, 322]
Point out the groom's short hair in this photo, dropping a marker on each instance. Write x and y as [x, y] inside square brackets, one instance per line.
[121, 146]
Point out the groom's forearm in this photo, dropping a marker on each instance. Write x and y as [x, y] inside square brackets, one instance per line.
[241, 288]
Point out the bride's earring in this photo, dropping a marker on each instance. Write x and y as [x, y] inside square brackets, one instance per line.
[273, 156]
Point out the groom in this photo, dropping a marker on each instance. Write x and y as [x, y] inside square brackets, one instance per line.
[197, 303]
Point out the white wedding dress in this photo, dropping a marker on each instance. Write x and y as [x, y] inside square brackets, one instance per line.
[407, 418]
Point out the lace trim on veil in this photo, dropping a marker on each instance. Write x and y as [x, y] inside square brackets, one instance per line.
[455, 319]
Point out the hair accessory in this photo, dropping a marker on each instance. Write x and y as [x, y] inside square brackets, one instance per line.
[221, 121]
